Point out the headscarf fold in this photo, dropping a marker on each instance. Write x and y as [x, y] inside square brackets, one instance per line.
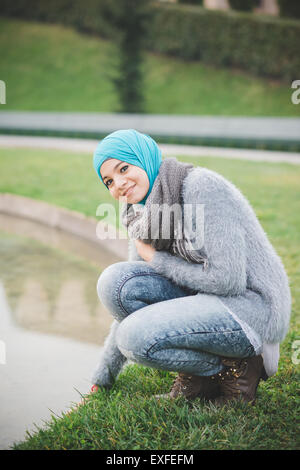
[133, 147]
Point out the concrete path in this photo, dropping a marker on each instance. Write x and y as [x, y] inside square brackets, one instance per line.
[88, 146]
[221, 127]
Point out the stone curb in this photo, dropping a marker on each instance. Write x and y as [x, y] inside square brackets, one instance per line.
[63, 219]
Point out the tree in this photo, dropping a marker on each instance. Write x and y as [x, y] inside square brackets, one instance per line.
[130, 20]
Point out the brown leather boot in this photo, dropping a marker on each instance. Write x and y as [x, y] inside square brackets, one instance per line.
[193, 386]
[239, 379]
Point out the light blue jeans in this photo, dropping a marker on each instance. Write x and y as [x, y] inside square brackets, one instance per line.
[167, 327]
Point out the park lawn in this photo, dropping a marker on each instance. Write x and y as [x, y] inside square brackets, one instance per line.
[127, 416]
[54, 68]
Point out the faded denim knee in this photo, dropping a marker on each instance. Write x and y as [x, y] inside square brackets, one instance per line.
[131, 341]
[121, 285]
[108, 288]
[107, 281]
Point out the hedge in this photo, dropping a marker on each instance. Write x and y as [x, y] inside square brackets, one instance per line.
[259, 44]
[244, 5]
[262, 45]
[191, 2]
[85, 16]
[289, 8]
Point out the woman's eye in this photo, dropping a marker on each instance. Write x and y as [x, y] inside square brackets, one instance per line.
[108, 182]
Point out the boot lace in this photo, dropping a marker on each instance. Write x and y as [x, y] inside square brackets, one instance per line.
[229, 376]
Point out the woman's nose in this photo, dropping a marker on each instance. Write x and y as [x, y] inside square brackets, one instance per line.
[120, 182]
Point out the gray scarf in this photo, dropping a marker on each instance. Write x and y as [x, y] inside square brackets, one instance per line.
[154, 223]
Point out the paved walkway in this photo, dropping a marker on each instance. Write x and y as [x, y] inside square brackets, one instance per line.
[251, 128]
[88, 146]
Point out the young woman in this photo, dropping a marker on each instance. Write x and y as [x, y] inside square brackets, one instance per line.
[211, 300]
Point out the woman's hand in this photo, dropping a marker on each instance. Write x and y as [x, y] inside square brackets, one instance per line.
[145, 251]
[94, 389]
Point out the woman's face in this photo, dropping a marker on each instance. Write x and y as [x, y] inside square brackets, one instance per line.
[125, 180]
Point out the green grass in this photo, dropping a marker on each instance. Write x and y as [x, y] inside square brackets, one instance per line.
[53, 68]
[128, 417]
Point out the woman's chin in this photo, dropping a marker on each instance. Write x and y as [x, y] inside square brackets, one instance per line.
[134, 199]
[129, 200]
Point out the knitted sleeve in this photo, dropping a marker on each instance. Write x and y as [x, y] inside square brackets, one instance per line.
[224, 248]
[111, 361]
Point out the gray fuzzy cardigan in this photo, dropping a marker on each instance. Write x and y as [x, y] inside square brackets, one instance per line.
[243, 268]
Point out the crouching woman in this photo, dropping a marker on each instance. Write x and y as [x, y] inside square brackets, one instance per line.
[212, 304]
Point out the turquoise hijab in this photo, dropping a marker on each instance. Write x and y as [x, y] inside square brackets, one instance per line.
[131, 147]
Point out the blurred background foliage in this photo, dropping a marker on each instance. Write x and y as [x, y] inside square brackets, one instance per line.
[259, 44]
[244, 5]
[144, 56]
[130, 32]
[289, 8]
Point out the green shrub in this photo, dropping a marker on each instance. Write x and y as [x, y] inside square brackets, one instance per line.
[130, 32]
[191, 2]
[289, 8]
[244, 5]
[258, 44]
[84, 16]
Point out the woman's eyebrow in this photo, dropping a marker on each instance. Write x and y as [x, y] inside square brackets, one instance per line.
[104, 177]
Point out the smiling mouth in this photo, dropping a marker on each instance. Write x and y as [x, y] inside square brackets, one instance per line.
[129, 191]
